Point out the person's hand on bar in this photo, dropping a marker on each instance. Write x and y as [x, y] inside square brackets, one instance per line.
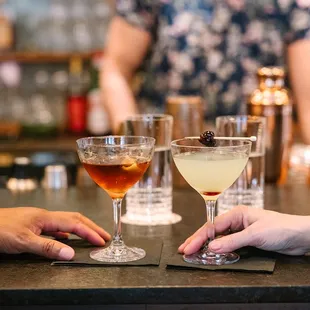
[21, 230]
[267, 230]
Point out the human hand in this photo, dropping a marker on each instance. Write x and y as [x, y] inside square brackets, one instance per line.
[20, 230]
[266, 230]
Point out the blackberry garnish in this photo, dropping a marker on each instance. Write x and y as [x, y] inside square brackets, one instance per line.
[207, 138]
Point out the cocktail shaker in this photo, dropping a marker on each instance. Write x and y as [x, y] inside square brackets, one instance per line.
[187, 112]
[273, 101]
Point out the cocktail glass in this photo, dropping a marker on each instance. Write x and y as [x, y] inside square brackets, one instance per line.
[116, 163]
[210, 171]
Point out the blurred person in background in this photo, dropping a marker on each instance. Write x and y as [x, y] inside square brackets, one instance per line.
[210, 48]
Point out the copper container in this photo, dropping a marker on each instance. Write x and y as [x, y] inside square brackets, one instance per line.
[272, 100]
[187, 112]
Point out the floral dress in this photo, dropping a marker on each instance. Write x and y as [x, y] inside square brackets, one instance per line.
[213, 48]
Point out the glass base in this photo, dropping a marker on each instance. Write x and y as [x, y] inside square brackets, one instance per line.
[169, 219]
[117, 254]
[205, 257]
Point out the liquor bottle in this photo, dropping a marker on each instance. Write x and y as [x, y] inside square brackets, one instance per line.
[97, 118]
[77, 102]
[39, 120]
[11, 103]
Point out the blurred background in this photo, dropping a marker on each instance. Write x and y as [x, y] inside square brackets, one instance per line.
[50, 55]
[50, 51]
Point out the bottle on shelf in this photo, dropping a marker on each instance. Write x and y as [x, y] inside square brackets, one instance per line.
[11, 104]
[39, 121]
[59, 81]
[77, 102]
[97, 118]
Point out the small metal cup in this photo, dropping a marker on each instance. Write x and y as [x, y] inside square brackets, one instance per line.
[55, 177]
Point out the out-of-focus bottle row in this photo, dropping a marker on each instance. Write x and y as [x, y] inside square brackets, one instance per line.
[53, 25]
[59, 102]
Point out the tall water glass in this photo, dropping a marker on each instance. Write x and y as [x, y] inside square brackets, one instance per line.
[249, 187]
[149, 202]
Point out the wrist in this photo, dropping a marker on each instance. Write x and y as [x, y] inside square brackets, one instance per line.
[303, 226]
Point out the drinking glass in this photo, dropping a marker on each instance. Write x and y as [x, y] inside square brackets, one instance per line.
[116, 163]
[210, 171]
[248, 189]
[149, 201]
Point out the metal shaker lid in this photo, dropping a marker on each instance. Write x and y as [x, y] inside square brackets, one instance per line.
[271, 90]
[271, 72]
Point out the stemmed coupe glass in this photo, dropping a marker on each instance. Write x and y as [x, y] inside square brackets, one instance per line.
[210, 171]
[116, 163]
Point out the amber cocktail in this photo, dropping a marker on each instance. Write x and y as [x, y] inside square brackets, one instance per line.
[116, 163]
[117, 178]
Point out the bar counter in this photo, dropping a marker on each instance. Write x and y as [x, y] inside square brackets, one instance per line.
[29, 283]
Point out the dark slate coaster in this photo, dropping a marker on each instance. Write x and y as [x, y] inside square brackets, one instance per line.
[153, 249]
[251, 260]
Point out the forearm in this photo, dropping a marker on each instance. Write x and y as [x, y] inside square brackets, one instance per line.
[303, 108]
[302, 228]
[299, 69]
[117, 94]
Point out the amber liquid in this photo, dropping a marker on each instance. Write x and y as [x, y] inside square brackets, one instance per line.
[116, 179]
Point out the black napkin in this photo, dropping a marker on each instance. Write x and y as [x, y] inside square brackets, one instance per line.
[82, 249]
[251, 260]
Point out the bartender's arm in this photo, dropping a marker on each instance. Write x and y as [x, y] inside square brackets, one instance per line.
[126, 48]
[299, 70]
[21, 229]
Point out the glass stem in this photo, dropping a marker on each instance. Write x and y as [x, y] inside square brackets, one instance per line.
[117, 240]
[210, 206]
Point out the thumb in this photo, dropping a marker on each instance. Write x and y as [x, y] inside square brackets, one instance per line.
[49, 248]
[231, 242]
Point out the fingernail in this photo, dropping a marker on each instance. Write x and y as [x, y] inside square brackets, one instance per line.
[66, 253]
[215, 245]
[184, 251]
